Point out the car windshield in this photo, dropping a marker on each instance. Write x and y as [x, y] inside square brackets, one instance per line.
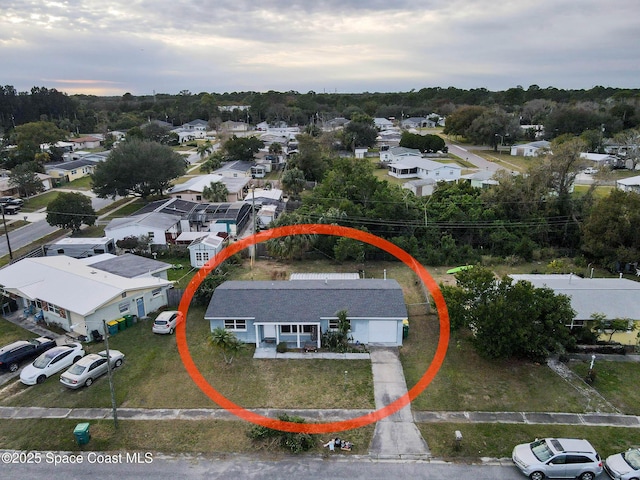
[541, 450]
[632, 457]
[43, 360]
[160, 322]
[76, 369]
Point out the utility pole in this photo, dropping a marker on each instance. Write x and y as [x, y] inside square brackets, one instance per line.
[253, 215]
[113, 392]
[6, 233]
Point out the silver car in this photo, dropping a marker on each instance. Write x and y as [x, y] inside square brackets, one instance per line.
[558, 458]
[87, 369]
[624, 466]
[166, 322]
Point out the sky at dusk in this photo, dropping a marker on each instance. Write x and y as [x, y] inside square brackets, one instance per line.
[113, 47]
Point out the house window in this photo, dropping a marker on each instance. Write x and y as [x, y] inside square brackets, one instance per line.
[333, 324]
[288, 328]
[198, 197]
[238, 325]
[156, 292]
[123, 307]
[150, 235]
[202, 257]
[124, 295]
[73, 172]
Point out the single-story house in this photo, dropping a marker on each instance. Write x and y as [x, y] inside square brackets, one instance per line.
[9, 190]
[422, 187]
[129, 265]
[236, 169]
[80, 247]
[229, 218]
[78, 297]
[530, 149]
[161, 228]
[192, 189]
[394, 154]
[481, 179]
[69, 171]
[417, 122]
[599, 160]
[299, 311]
[382, 123]
[86, 142]
[616, 298]
[205, 247]
[419, 167]
[631, 184]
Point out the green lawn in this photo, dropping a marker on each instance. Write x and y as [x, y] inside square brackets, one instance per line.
[84, 183]
[39, 201]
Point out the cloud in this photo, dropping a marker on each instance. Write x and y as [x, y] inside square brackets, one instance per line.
[138, 46]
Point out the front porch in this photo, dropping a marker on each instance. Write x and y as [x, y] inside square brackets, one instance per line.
[296, 335]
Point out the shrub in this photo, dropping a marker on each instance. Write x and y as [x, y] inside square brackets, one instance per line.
[281, 347]
[294, 442]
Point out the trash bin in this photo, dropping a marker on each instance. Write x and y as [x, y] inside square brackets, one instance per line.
[112, 326]
[122, 323]
[405, 328]
[81, 432]
[128, 319]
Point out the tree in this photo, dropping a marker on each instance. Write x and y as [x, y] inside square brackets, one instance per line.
[71, 210]
[359, 132]
[225, 342]
[310, 158]
[242, 148]
[293, 181]
[30, 136]
[215, 192]
[611, 327]
[213, 162]
[459, 121]
[25, 180]
[511, 319]
[140, 168]
[204, 149]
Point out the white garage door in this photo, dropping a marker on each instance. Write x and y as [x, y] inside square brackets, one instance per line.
[383, 331]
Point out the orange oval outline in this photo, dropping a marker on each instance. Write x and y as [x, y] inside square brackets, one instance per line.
[314, 229]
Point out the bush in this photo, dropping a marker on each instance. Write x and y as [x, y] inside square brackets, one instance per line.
[281, 347]
[591, 377]
[294, 442]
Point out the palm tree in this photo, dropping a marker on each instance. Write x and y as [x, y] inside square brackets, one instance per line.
[225, 342]
[215, 192]
[204, 149]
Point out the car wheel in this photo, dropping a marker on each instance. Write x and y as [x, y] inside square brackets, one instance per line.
[13, 367]
[171, 331]
[118, 362]
[88, 382]
[76, 359]
[41, 379]
[536, 476]
[587, 476]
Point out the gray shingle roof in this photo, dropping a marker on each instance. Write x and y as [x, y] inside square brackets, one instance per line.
[131, 266]
[307, 300]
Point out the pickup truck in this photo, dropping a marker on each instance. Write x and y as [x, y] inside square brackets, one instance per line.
[12, 355]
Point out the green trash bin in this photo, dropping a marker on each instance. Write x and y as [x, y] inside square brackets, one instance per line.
[112, 326]
[405, 328]
[122, 323]
[128, 319]
[81, 432]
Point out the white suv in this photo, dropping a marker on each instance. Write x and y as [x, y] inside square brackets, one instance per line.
[558, 458]
[166, 322]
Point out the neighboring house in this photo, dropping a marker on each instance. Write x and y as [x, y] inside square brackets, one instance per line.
[268, 312]
[382, 123]
[418, 167]
[204, 248]
[417, 122]
[80, 247]
[161, 228]
[389, 137]
[8, 190]
[481, 179]
[69, 171]
[394, 154]
[129, 265]
[267, 202]
[230, 126]
[631, 184]
[192, 189]
[533, 131]
[530, 149]
[360, 152]
[228, 218]
[600, 160]
[78, 297]
[237, 169]
[95, 157]
[615, 298]
[85, 142]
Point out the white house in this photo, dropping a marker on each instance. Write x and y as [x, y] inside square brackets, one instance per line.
[631, 184]
[78, 297]
[599, 160]
[161, 228]
[382, 123]
[422, 187]
[481, 179]
[80, 247]
[192, 189]
[530, 149]
[360, 152]
[418, 167]
[393, 154]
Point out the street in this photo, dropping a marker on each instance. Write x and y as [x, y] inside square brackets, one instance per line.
[119, 466]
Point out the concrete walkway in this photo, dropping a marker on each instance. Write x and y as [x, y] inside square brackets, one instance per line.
[395, 437]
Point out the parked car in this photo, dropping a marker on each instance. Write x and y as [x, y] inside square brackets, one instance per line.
[16, 201]
[558, 458]
[11, 209]
[624, 466]
[51, 362]
[590, 170]
[5, 199]
[90, 367]
[166, 322]
[12, 355]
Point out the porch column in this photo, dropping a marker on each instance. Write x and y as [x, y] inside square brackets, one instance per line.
[318, 335]
[257, 336]
[298, 334]
[277, 334]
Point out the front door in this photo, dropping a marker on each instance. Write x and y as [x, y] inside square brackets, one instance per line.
[140, 307]
[270, 331]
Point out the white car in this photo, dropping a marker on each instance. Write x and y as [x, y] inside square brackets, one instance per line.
[166, 322]
[87, 369]
[590, 171]
[624, 466]
[51, 362]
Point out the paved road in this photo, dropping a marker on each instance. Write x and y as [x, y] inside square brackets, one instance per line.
[477, 160]
[253, 467]
[25, 235]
